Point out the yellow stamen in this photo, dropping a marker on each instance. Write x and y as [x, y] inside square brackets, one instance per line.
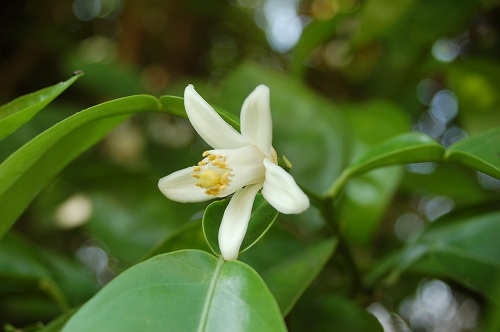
[212, 173]
[209, 178]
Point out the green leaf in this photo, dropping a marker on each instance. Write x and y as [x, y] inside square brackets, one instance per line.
[57, 324]
[326, 312]
[24, 266]
[403, 149]
[480, 152]
[183, 291]
[187, 236]
[261, 219]
[30, 168]
[467, 249]
[22, 109]
[304, 267]
[364, 202]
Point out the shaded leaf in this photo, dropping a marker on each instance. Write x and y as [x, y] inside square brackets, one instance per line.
[324, 312]
[304, 267]
[313, 35]
[467, 249]
[183, 291]
[22, 109]
[187, 236]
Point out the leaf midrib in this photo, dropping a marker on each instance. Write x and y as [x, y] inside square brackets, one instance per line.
[210, 295]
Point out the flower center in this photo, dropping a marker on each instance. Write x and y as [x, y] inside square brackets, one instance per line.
[213, 173]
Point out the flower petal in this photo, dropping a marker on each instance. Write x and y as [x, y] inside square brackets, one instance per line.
[256, 122]
[246, 167]
[235, 221]
[281, 190]
[208, 124]
[180, 186]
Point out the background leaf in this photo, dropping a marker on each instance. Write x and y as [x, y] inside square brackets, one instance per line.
[185, 290]
[466, 248]
[32, 276]
[22, 109]
[304, 266]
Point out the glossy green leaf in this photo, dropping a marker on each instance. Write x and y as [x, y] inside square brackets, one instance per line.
[30, 168]
[403, 149]
[183, 291]
[261, 219]
[467, 249]
[304, 267]
[22, 109]
[480, 152]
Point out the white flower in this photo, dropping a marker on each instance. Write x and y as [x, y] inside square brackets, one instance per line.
[241, 164]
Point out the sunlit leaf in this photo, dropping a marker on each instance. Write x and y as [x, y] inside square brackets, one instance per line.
[480, 152]
[30, 168]
[261, 219]
[304, 267]
[22, 109]
[183, 291]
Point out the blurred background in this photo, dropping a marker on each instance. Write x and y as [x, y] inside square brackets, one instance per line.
[372, 68]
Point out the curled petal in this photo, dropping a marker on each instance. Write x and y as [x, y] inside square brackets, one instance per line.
[180, 186]
[281, 190]
[235, 221]
[208, 124]
[256, 123]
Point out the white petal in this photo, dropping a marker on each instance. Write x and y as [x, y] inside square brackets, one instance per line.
[281, 190]
[208, 124]
[256, 122]
[180, 186]
[235, 221]
[246, 167]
